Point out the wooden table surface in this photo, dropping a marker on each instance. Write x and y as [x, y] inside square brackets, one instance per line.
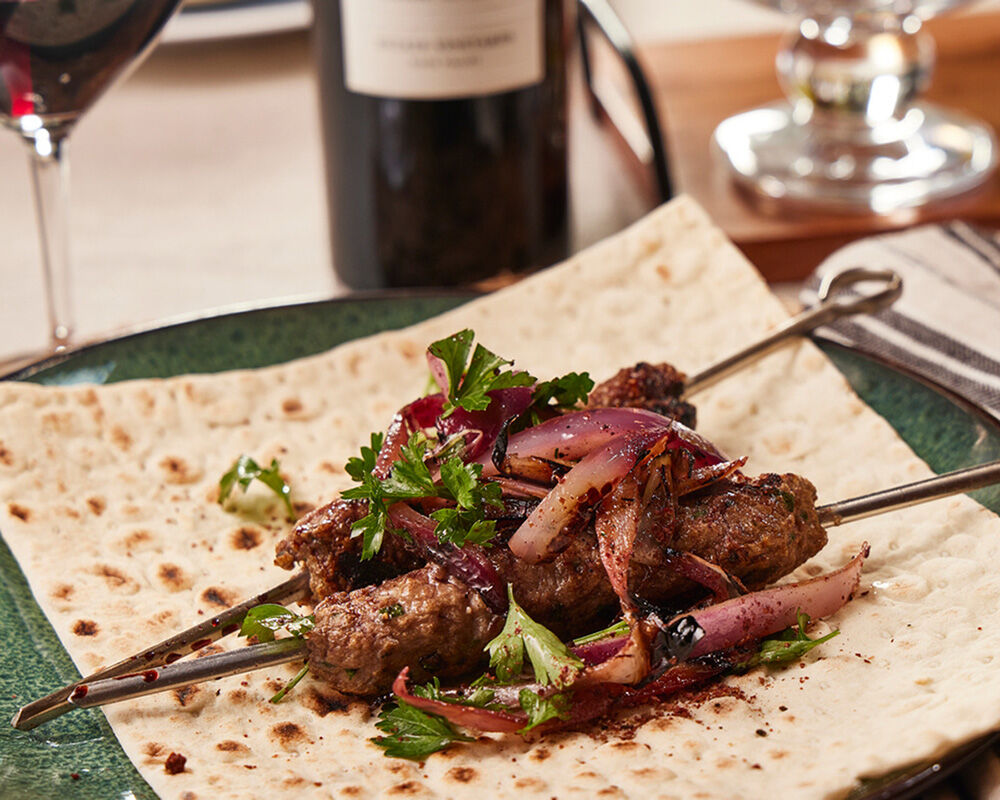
[698, 84]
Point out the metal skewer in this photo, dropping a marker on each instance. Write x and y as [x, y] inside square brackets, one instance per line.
[90, 692]
[165, 652]
[834, 303]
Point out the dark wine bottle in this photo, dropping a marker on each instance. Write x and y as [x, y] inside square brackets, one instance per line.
[445, 137]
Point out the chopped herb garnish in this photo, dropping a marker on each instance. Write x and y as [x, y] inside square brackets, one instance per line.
[541, 709]
[550, 659]
[245, 470]
[413, 733]
[291, 684]
[565, 392]
[394, 610]
[410, 479]
[620, 628]
[789, 499]
[789, 645]
[265, 620]
[470, 379]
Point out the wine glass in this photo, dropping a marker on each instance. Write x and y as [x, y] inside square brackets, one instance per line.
[56, 58]
[852, 136]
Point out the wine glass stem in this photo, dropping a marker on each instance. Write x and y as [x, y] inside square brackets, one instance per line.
[49, 161]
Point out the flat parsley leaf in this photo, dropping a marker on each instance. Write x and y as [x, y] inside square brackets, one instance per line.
[541, 709]
[550, 659]
[789, 645]
[265, 620]
[566, 392]
[413, 733]
[469, 379]
[409, 479]
[245, 470]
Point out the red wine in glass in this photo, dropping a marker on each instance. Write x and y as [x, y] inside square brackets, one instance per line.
[56, 58]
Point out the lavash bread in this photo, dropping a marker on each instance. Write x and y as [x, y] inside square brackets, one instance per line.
[107, 499]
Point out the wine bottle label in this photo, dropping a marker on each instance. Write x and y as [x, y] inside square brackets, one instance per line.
[440, 49]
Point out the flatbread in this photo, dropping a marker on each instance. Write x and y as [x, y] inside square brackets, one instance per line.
[107, 499]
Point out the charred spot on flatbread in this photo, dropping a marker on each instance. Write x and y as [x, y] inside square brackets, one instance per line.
[324, 702]
[173, 577]
[19, 511]
[177, 470]
[6, 456]
[229, 746]
[85, 627]
[115, 579]
[62, 591]
[461, 774]
[291, 405]
[186, 694]
[97, 504]
[246, 538]
[217, 596]
[287, 733]
[121, 438]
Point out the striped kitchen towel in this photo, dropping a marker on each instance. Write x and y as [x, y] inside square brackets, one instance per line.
[946, 325]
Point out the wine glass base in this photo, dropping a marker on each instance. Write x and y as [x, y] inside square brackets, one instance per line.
[928, 154]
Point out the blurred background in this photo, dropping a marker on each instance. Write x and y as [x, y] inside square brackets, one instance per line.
[198, 182]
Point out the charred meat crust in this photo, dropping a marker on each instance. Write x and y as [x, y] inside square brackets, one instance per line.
[425, 620]
[656, 387]
[322, 543]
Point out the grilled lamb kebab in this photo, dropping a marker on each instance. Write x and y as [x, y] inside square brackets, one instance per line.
[758, 530]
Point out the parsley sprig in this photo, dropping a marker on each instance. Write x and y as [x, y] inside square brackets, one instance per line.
[469, 379]
[414, 734]
[789, 645]
[245, 470]
[551, 660]
[410, 479]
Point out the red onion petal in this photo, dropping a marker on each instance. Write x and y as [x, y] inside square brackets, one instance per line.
[617, 525]
[421, 413]
[589, 481]
[720, 583]
[628, 666]
[601, 650]
[763, 613]
[677, 678]
[478, 719]
[573, 435]
[703, 476]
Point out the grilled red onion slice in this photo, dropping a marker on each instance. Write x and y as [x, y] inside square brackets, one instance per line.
[617, 524]
[469, 563]
[720, 583]
[703, 476]
[415, 416]
[586, 484]
[628, 666]
[679, 677]
[601, 650]
[481, 428]
[573, 435]
[478, 719]
[759, 614]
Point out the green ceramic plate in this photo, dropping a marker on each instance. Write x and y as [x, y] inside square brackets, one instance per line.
[77, 755]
